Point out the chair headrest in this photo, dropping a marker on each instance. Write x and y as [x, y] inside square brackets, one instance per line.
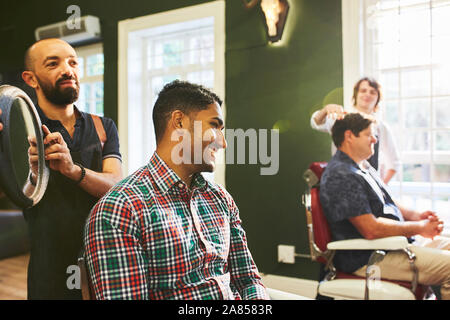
[314, 173]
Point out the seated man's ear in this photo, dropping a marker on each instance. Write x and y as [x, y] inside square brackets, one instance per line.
[348, 134]
[30, 79]
[177, 119]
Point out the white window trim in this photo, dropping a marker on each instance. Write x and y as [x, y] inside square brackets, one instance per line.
[353, 66]
[84, 52]
[215, 9]
[352, 61]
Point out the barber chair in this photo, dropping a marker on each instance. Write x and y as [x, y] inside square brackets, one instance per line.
[340, 285]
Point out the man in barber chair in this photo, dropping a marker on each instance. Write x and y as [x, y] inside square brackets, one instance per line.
[84, 160]
[357, 205]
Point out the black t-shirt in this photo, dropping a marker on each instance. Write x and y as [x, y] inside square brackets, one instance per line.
[111, 147]
[56, 223]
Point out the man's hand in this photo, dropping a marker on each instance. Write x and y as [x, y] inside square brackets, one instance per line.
[413, 215]
[428, 215]
[58, 154]
[33, 158]
[1, 124]
[431, 228]
[1, 128]
[334, 111]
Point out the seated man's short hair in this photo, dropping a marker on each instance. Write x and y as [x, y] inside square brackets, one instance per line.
[354, 122]
[180, 95]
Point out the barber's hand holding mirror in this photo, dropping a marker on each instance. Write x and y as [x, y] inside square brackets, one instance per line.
[33, 158]
[23, 171]
[1, 128]
[1, 125]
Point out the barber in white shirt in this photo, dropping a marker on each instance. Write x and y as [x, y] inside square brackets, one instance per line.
[366, 96]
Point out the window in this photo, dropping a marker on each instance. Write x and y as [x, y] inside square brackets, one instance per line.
[405, 44]
[185, 44]
[90, 60]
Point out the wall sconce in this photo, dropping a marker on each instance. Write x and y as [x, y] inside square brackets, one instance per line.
[275, 12]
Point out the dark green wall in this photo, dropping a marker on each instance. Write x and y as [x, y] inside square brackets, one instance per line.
[21, 18]
[264, 84]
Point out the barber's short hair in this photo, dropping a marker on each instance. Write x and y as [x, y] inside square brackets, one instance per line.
[354, 122]
[180, 95]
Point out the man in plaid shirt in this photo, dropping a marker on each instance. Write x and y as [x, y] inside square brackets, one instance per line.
[165, 232]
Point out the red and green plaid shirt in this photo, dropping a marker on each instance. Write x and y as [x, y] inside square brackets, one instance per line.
[151, 237]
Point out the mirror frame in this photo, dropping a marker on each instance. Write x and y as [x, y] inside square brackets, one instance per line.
[8, 182]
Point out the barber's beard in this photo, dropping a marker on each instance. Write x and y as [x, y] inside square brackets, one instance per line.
[58, 96]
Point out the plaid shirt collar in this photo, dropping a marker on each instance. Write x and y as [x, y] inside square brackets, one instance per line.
[165, 178]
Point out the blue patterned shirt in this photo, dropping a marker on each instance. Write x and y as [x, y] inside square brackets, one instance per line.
[347, 191]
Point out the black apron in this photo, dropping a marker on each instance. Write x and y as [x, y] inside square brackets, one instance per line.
[56, 224]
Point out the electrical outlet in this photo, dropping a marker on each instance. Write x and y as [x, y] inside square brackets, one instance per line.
[286, 254]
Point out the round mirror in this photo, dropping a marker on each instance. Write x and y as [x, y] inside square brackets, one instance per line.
[20, 123]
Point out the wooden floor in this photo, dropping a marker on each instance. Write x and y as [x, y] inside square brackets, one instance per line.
[13, 278]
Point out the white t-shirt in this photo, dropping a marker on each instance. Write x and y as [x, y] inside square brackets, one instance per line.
[388, 157]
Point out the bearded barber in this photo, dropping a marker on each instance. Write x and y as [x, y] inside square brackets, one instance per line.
[83, 167]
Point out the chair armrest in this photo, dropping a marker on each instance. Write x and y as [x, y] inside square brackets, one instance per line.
[283, 295]
[388, 243]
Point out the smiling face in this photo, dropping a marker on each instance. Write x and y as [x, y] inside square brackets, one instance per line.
[55, 72]
[367, 97]
[363, 144]
[206, 130]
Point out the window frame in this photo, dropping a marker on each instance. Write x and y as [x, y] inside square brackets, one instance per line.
[84, 52]
[214, 9]
[356, 54]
